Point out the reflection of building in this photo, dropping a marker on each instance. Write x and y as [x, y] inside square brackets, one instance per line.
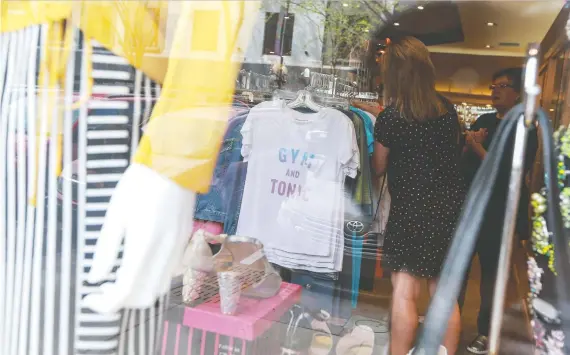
[305, 44]
[302, 39]
[298, 34]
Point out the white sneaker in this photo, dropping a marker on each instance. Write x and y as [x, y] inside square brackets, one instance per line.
[442, 350]
[359, 342]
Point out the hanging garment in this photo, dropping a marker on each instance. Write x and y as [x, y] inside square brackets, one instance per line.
[210, 206]
[368, 127]
[293, 199]
[235, 183]
[97, 23]
[363, 187]
[109, 22]
[358, 218]
[169, 165]
[207, 85]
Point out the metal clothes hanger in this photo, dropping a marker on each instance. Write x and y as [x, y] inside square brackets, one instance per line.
[336, 102]
[305, 99]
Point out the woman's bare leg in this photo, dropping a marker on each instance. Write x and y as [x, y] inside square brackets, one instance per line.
[404, 318]
[451, 340]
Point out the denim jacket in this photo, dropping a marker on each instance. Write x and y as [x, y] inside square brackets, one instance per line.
[211, 206]
[234, 183]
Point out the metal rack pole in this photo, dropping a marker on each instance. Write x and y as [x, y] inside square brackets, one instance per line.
[531, 90]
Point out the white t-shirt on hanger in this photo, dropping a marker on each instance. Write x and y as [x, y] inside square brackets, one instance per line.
[293, 197]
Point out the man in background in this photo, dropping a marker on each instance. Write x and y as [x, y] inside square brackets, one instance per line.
[506, 93]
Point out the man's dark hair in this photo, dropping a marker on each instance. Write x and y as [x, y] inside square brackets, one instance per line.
[513, 74]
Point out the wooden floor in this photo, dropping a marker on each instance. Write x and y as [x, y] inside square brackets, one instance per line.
[516, 337]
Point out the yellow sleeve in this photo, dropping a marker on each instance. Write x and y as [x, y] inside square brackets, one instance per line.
[18, 14]
[197, 70]
[131, 30]
[128, 28]
[183, 137]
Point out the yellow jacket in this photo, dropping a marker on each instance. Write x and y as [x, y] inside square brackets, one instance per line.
[195, 68]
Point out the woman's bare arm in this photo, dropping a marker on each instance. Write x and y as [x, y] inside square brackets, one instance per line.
[380, 159]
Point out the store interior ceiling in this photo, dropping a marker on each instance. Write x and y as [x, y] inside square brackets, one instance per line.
[470, 40]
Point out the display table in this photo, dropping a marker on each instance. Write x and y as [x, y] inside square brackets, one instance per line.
[204, 330]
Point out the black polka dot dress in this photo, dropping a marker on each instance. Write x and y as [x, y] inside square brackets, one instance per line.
[426, 188]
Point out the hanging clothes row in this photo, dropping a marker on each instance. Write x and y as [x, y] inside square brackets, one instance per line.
[299, 180]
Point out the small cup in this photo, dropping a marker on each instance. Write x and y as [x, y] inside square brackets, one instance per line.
[230, 291]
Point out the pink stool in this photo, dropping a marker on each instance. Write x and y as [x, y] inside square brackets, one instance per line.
[206, 331]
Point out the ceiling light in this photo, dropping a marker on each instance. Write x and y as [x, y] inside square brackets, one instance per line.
[271, 52]
[396, 24]
[491, 24]
[488, 46]
[551, 110]
[464, 103]
[420, 7]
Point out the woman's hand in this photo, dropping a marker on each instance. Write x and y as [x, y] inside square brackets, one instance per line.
[475, 138]
[480, 135]
[471, 141]
[373, 108]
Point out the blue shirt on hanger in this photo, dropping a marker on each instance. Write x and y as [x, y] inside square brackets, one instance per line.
[368, 127]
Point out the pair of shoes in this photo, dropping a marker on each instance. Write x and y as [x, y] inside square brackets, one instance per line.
[322, 342]
[442, 350]
[359, 342]
[479, 345]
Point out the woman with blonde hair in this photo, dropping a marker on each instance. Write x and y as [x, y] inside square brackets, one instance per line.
[418, 144]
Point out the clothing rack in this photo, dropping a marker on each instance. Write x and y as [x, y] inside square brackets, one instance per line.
[308, 95]
[366, 97]
[322, 83]
[343, 88]
[248, 80]
[252, 87]
[332, 85]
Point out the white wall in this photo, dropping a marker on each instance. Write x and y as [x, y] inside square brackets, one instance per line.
[306, 37]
